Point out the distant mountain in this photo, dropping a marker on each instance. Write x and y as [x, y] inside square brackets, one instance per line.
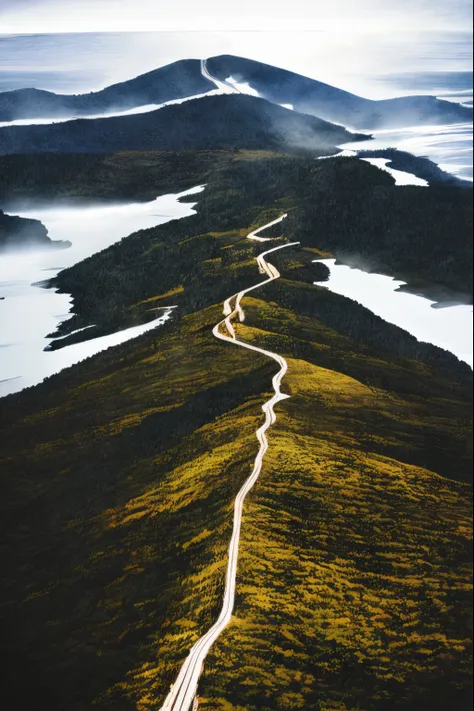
[227, 121]
[327, 102]
[184, 78]
[17, 233]
[174, 81]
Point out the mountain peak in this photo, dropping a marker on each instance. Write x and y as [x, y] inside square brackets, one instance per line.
[316, 98]
[186, 78]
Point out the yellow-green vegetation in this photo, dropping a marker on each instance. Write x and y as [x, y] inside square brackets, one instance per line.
[118, 481]
[354, 566]
[172, 292]
[134, 513]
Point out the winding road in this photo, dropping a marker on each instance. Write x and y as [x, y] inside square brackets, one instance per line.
[182, 696]
[224, 86]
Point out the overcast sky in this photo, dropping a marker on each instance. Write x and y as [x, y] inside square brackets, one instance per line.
[350, 16]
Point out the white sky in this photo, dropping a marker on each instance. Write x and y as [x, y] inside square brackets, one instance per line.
[352, 17]
[352, 44]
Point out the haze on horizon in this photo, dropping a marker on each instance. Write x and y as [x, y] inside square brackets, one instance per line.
[362, 18]
[353, 46]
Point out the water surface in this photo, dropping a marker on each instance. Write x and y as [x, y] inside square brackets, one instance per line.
[449, 146]
[449, 328]
[401, 177]
[29, 313]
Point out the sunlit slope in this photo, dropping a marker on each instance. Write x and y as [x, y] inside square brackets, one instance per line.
[212, 122]
[367, 558]
[116, 507]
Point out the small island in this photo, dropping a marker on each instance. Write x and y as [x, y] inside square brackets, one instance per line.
[20, 233]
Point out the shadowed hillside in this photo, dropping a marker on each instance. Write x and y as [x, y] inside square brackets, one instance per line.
[229, 121]
[344, 206]
[183, 79]
[314, 97]
[173, 81]
[18, 233]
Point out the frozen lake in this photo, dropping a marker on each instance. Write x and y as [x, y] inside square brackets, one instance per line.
[449, 328]
[28, 313]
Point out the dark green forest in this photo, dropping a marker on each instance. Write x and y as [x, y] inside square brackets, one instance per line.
[344, 207]
[212, 122]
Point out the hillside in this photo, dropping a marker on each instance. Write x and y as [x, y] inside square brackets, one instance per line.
[343, 206]
[141, 176]
[390, 230]
[174, 81]
[332, 104]
[19, 233]
[118, 478]
[183, 79]
[229, 121]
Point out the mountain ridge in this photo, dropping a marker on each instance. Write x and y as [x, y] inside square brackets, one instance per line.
[177, 80]
[120, 473]
[313, 97]
[223, 121]
[184, 78]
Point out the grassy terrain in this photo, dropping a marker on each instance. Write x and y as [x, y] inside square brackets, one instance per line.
[118, 477]
[368, 558]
